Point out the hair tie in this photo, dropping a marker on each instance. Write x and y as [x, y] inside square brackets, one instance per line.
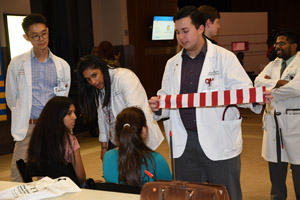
[126, 125]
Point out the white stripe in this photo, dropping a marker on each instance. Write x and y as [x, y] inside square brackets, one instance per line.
[259, 94]
[233, 99]
[162, 101]
[246, 96]
[185, 100]
[196, 99]
[220, 98]
[208, 99]
[173, 101]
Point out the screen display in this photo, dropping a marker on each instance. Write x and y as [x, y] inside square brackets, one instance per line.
[163, 28]
[239, 46]
[15, 40]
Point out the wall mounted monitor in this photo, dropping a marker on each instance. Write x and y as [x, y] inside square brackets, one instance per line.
[163, 28]
[16, 44]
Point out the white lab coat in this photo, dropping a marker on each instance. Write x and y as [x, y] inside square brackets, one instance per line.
[18, 90]
[285, 97]
[219, 139]
[126, 91]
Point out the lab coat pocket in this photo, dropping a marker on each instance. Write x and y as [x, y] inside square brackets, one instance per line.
[292, 124]
[230, 113]
[232, 135]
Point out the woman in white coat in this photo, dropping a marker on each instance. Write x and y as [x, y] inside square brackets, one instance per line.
[106, 91]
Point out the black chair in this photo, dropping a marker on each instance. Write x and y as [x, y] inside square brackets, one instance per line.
[112, 187]
[52, 170]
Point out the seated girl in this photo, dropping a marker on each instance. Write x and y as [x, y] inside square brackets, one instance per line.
[126, 163]
[52, 140]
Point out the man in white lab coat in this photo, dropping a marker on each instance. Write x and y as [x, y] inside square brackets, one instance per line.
[32, 79]
[281, 121]
[206, 147]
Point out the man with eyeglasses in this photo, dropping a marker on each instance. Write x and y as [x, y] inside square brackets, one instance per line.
[281, 121]
[32, 79]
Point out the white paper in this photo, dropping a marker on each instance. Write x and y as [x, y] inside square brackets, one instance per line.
[44, 188]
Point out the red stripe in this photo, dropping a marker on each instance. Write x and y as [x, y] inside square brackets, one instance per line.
[168, 101]
[264, 96]
[239, 96]
[179, 101]
[190, 100]
[226, 97]
[252, 93]
[202, 99]
[158, 102]
[214, 98]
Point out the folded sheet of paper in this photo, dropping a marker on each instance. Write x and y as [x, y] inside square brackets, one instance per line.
[212, 98]
[43, 188]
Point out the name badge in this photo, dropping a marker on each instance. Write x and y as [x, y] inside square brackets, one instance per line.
[59, 91]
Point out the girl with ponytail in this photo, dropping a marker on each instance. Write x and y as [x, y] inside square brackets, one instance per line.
[126, 164]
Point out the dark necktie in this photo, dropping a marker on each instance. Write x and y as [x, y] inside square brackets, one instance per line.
[283, 66]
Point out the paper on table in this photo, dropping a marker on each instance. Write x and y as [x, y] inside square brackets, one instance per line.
[44, 188]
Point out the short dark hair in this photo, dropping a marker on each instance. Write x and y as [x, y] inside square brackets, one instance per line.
[106, 50]
[291, 37]
[33, 19]
[192, 12]
[209, 13]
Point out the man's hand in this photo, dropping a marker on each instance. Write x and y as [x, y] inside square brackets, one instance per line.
[153, 103]
[268, 96]
[280, 83]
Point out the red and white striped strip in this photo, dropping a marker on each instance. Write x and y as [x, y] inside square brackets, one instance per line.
[214, 98]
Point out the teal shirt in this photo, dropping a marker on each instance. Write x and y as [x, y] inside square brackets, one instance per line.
[111, 172]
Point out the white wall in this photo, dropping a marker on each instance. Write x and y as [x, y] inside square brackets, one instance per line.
[110, 21]
[12, 7]
[246, 26]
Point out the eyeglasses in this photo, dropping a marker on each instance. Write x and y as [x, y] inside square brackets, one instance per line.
[279, 44]
[38, 37]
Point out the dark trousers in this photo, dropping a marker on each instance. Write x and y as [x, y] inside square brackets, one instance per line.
[278, 172]
[195, 166]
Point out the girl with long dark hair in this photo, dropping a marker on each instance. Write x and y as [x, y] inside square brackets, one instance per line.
[52, 140]
[106, 91]
[126, 164]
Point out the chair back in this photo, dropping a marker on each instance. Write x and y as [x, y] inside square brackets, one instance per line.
[112, 187]
[52, 170]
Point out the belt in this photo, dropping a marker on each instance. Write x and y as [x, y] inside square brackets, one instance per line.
[33, 121]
